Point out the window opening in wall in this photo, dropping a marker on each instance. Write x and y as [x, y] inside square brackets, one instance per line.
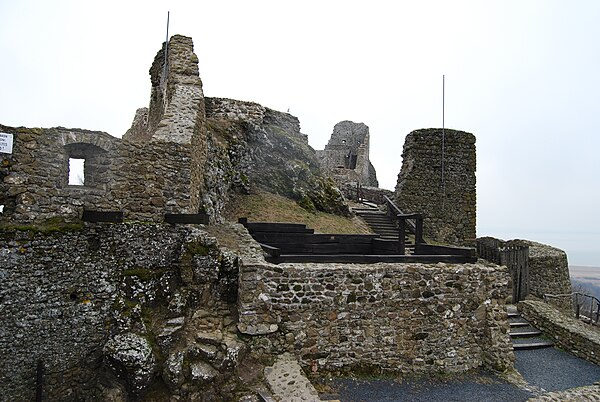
[76, 172]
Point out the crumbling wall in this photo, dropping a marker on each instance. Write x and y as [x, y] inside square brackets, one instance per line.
[156, 168]
[144, 181]
[346, 155]
[397, 317]
[104, 309]
[446, 197]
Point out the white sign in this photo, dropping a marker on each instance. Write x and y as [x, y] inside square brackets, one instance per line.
[6, 143]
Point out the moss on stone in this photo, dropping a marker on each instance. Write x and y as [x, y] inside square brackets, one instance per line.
[306, 203]
[143, 274]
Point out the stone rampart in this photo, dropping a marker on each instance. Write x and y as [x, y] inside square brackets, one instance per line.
[549, 273]
[396, 317]
[565, 330]
[446, 197]
[235, 110]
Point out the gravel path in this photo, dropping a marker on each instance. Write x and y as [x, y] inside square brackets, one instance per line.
[543, 369]
[554, 370]
[479, 386]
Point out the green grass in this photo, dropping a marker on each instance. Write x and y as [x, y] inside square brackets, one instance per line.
[267, 207]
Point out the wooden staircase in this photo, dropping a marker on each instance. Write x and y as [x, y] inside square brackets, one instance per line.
[523, 335]
[381, 224]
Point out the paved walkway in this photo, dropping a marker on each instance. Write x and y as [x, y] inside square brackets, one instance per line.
[288, 382]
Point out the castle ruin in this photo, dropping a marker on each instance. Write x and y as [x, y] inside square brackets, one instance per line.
[346, 155]
[119, 311]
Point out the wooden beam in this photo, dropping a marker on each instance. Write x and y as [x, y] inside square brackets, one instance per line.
[187, 218]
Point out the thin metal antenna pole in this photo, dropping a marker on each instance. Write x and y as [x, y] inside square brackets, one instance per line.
[443, 140]
[164, 76]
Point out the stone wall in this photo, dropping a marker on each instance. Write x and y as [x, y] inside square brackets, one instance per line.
[548, 270]
[447, 201]
[346, 155]
[144, 181]
[155, 169]
[235, 111]
[373, 194]
[397, 317]
[549, 273]
[567, 332]
[105, 307]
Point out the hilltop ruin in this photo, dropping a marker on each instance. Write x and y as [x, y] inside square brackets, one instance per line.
[146, 308]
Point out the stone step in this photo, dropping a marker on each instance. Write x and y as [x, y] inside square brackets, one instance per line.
[531, 343]
[518, 323]
[524, 332]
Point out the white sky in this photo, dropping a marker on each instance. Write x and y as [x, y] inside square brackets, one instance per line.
[521, 75]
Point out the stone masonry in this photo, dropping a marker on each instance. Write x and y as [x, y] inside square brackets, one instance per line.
[446, 197]
[565, 330]
[346, 155]
[397, 317]
[145, 175]
[549, 273]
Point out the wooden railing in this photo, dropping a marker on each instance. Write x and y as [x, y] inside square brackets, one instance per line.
[407, 223]
[290, 242]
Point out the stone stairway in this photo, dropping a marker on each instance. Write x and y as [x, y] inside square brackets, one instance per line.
[523, 335]
[380, 223]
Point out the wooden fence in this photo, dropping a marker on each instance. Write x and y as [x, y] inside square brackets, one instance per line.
[513, 255]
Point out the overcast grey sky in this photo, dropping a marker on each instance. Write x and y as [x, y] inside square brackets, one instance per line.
[523, 76]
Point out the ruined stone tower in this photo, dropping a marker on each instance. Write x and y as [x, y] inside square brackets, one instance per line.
[438, 179]
[346, 155]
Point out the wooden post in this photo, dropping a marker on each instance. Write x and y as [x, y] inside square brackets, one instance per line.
[419, 230]
[39, 381]
[401, 232]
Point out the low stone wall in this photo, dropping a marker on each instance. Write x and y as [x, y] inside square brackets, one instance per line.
[567, 332]
[396, 317]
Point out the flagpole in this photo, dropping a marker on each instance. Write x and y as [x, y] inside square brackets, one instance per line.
[443, 140]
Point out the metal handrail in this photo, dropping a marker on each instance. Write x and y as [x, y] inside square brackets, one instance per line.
[578, 305]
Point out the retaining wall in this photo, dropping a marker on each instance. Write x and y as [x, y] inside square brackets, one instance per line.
[566, 331]
[398, 317]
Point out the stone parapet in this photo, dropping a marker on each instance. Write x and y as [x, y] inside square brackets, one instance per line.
[396, 317]
[567, 332]
[549, 273]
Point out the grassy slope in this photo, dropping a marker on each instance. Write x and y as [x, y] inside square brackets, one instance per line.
[267, 207]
